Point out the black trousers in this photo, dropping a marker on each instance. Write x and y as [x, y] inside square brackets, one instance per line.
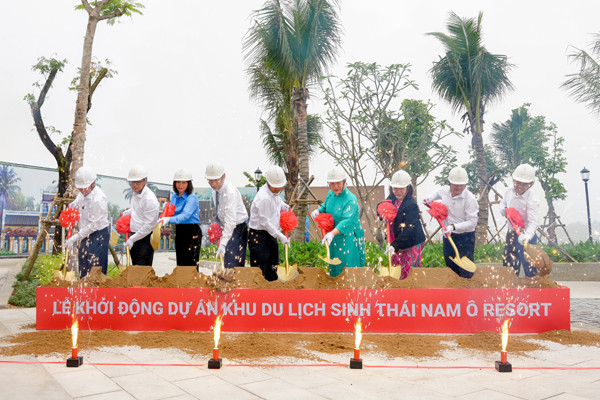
[264, 253]
[514, 256]
[465, 244]
[235, 251]
[188, 238]
[93, 252]
[142, 252]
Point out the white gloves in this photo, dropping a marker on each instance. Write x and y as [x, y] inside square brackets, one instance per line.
[314, 213]
[523, 237]
[126, 212]
[285, 207]
[129, 243]
[390, 250]
[72, 241]
[221, 250]
[328, 237]
[164, 220]
[427, 201]
[448, 230]
[283, 239]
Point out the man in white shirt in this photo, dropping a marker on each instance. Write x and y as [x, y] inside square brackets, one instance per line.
[264, 224]
[144, 215]
[462, 217]
[521, 198]
[231, 215]
[93, 223]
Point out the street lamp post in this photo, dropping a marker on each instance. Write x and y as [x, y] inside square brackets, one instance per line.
[585, 176]
[258, 177]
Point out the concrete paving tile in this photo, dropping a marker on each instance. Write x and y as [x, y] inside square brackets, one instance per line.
[112, 371]
[85, 381]
[29, 381]
[120, 395]
[177, 373]
[406, 391]
[538, 387]
[211, 387]
[275, 389]
[302, 376]
[240, 375]
[487, 395]
[454, 386]
[345, 390]
[567, 396]
[147, 386]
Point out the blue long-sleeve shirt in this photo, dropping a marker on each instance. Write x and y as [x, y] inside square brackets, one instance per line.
[187, 210]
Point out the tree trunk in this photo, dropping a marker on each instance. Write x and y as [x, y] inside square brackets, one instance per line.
[81, 107]
[299, 99]
[482, 175]
[551, 215]
[291, 163]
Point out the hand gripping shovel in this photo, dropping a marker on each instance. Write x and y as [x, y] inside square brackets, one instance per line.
[439, 211]
[168, 211]
[288, 222]
[388, 211]
[325, 222]
[123, 226]
[534, 255]
[63, 274]
[214, 236]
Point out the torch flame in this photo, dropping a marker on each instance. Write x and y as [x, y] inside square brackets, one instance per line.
[358, 334]
[217, 331]
[74, 331]
[505, 333]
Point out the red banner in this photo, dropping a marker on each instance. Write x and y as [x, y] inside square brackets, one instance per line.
[433, 310]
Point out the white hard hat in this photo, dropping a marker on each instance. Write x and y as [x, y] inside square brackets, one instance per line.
[458, 176]
[524, 173]
[182, 175]
[214, 171]
[275, 176]
[336, 174]
[137, 173]
[84, 178]
[400, 179]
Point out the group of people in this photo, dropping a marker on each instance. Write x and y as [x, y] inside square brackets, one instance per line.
[260, 231]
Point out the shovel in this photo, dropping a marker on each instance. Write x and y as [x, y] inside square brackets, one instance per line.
[155, 237]
[289, 272]
[463, 262]
[329, 260]
[394, 272]
[223, 273]
[63, 274]
[534, 255]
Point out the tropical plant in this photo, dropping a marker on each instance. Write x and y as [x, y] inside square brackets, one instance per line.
[372, 128]
[584, 85]
[8, 186]
[469, 77]
[295, 41]
[101, 10]
[530, 139]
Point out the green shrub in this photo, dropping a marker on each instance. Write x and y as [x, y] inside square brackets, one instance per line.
[6, 253]
[41, 273]
[24, 295]
[582, 252]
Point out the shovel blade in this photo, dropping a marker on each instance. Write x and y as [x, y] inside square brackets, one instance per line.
[332, 261]
[155, 237]
[464, 263]
[287, 274]
[537, 257]
[396, 272]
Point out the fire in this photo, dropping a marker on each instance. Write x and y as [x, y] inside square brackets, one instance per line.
[74, 331]
[358, 334]
[505, 333]
[217, 330]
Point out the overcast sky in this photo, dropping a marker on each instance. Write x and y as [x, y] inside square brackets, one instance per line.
[180, 97]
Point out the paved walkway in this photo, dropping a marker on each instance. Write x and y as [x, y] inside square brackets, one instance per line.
[560, 372]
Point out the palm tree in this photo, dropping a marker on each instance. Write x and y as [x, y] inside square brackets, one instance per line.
[584, 85]
[468, 76]
[8, 187]
[295, 41]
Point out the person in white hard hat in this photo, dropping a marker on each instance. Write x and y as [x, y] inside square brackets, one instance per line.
[94, 231]
[231, 215]
[406, 236]
[188, 235]
[264, 224]
[347, 239]
[521, 198]
[144, 215]
[463, 211]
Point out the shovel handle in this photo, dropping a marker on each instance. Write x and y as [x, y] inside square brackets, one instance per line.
[389, 244]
